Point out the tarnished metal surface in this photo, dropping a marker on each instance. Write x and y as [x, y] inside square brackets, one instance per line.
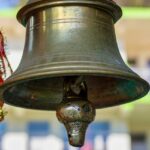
[67, 40]
[75, 111]
[71, 63]
[76, 116]
[71, 40]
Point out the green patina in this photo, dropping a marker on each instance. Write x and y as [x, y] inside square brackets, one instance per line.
[127, 88]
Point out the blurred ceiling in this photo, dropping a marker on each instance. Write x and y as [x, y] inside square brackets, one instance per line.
[121, 2]
[133, 2]
[136, 3]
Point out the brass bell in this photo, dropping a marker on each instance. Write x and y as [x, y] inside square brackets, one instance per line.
[71, 62]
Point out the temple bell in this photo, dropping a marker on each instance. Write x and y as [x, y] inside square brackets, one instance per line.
[71, 63]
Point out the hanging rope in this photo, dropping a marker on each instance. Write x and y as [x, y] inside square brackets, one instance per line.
[4, 65]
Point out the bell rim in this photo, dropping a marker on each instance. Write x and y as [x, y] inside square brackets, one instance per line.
[108, 6]
[8, 84]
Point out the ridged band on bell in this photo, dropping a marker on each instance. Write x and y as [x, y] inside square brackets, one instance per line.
[71, 38]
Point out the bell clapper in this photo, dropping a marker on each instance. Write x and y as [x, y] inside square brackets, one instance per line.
[75, 111]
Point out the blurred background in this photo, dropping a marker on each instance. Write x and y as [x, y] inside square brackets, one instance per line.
[126, 127]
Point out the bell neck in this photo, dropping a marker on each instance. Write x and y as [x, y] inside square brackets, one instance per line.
[34, 6]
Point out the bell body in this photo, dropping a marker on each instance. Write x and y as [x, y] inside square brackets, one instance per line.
[71, 38]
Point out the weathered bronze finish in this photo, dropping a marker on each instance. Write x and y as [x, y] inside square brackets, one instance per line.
[75, 112]
[76, 116]
[71, 39]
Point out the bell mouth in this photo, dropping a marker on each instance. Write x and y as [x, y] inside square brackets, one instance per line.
[46, 92]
